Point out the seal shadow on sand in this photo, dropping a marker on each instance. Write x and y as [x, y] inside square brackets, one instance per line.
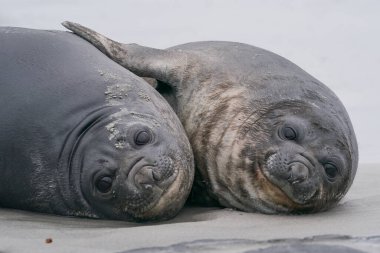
[40, 219]
[315, 244]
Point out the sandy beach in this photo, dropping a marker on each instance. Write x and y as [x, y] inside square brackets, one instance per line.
[354, 223]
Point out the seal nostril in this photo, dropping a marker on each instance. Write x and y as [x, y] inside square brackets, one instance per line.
[144, 177]
[298, 173]
[157, 175]
[148, 187]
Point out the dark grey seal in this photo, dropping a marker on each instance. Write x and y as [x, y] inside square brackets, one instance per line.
[266, 135]
[80, 135]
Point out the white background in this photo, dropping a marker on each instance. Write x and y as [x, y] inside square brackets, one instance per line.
[337, 41]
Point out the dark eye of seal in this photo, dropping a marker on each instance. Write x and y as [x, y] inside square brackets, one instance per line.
[289, 133]
[331, 171]
[142, 138]
[104, 184]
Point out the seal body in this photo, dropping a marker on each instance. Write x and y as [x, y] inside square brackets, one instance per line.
[82, 136]
[266, 135]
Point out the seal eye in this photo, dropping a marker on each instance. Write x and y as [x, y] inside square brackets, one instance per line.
[104, 184]
[142, 138]
[289, 133]
[331, 171]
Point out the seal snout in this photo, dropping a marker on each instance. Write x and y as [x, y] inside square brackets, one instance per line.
[144, 178]
[293, 173]
[158, 173]
[298, 172]
[294, 169]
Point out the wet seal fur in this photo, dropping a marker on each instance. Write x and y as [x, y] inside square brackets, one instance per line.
[266, 135]
[80, 135]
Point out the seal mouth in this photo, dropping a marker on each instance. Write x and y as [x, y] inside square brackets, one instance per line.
[146, 183]
[286, 188]
[276, 198]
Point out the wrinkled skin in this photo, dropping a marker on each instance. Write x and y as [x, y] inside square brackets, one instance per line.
[266, 135]
[82, 136]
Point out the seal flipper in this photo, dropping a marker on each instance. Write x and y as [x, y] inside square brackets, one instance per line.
[162, 65]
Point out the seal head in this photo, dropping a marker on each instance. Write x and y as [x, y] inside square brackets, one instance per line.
[289, 157]
[131, 170]
[131, 163]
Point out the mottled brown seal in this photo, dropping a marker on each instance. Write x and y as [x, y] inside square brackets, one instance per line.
[266, 135]
[80, 135]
